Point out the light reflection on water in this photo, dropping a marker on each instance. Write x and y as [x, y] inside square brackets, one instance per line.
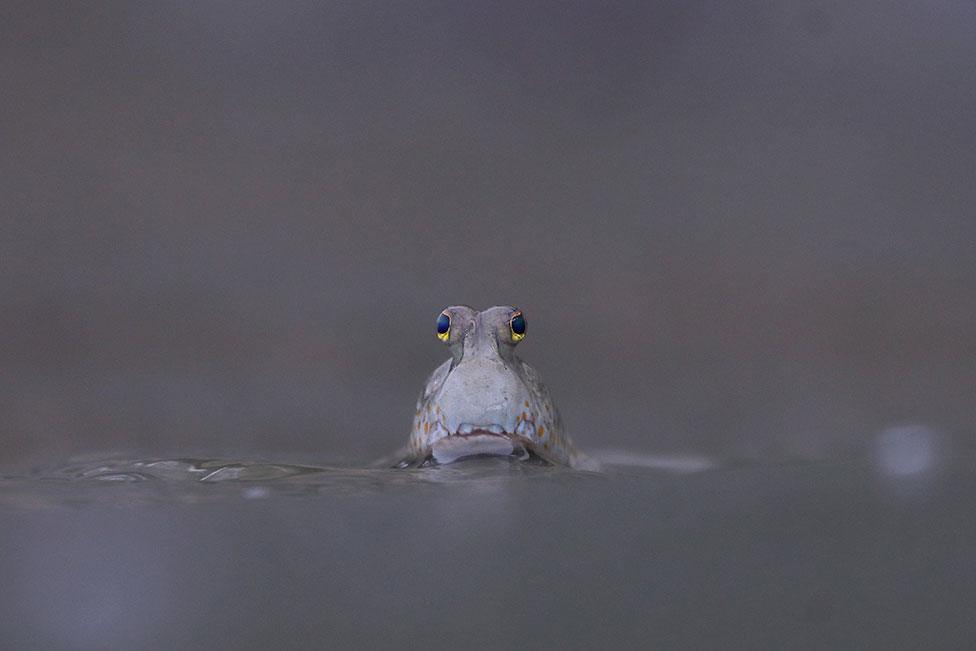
[194, 480]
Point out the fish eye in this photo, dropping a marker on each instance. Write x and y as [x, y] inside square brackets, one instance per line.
[517, 325]
[443, 326]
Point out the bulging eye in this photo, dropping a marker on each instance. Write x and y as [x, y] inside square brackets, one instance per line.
[443, 326]
[517, 324]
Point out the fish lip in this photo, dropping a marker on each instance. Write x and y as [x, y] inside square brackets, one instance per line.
[466, 430]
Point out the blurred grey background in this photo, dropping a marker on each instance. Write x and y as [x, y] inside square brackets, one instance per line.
[738, 229]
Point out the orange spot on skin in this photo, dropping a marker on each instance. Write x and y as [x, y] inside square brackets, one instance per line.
[539, 430]
[526, 403]
[426, 428]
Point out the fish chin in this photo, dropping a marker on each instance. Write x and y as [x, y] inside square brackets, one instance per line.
[478, 442]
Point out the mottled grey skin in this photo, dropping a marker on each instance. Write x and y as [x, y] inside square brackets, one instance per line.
[485, 400]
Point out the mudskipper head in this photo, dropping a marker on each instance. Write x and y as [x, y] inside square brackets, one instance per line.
[484, 400]
[484, 390]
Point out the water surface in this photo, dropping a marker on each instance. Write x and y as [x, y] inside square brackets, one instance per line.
[485, 554]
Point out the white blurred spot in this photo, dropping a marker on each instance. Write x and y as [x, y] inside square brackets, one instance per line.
[907, 450]
[255, 492]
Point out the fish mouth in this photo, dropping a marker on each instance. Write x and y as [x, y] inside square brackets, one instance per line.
[469, 430]
[476, 441]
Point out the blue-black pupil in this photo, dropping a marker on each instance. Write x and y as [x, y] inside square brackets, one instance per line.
[518, 325]
[443, 324]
